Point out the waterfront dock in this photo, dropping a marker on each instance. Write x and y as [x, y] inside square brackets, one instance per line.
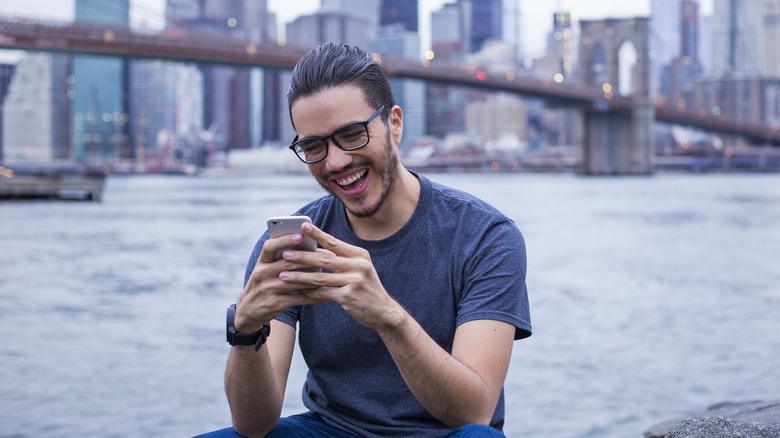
[64, 182]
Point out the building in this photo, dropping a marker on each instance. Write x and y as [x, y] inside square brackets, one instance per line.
[403, 12]
[664, 43]
[367, 10]
[395, 40]
[560, 45]
[312, 30]
[451, 31]
[486, 22]
[166, 114]
[6, 74]
[771, 15]
[35, 121]
[679, 75]
[99, 92]
[737, 31]
[689, 29]
[228, 93]
[497, 118]
[557, 126]
[737, 97]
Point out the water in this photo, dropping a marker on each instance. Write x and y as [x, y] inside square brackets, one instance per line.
[651, 298]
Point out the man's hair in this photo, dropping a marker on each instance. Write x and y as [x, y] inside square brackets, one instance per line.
[331, 65]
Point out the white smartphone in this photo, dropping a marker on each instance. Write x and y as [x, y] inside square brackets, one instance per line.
[282, 225]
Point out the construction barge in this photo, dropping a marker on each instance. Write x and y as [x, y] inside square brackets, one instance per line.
[57, 182]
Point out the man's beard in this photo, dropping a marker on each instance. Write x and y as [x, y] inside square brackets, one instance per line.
[389, 171]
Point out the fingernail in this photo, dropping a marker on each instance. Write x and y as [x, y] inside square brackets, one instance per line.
[287, 254]
[297, 238]
[284, 275]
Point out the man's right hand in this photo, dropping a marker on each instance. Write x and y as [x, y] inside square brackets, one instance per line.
[265, 296]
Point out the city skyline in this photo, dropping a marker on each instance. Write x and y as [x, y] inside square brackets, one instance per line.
[448, 116]
[536, 16]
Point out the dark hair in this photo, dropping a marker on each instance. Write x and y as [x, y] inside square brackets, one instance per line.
[331, 65]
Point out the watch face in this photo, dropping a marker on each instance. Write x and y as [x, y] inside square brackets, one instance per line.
[231, 314]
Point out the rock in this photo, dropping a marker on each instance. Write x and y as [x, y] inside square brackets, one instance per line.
[720, 427]
[750, 414]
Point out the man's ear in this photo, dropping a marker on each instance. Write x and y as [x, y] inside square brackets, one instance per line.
[396, 124]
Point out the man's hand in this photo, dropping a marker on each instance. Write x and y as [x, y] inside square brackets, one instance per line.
[352, 281]
[265, 295]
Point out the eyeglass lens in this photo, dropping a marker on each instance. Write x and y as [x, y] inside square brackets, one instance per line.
[349, 137]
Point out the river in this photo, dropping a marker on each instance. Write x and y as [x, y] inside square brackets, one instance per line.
[651, 298]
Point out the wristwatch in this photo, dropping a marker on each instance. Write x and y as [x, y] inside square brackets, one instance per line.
[235, 338]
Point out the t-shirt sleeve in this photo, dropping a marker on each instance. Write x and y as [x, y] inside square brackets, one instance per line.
[494, 280]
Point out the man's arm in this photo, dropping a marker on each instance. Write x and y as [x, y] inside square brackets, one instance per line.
[458, 389]
[255, 381]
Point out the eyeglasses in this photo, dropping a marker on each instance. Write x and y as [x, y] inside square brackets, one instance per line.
[347, 138]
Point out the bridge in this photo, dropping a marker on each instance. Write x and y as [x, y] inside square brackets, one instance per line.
[618, 135]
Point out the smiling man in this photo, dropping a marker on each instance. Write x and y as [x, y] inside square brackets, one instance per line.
[407, 324]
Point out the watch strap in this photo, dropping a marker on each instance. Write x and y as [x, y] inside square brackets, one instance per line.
[234, 338]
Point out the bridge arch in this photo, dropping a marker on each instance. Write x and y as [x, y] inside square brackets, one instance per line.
[627, 63]
[616, 142]
[611, 36]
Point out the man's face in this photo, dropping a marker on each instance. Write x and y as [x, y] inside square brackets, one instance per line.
[362, 178]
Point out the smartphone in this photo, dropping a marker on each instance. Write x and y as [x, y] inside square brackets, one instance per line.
[282, 225]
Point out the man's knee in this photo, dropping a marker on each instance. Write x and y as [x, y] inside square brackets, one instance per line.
[475, 430]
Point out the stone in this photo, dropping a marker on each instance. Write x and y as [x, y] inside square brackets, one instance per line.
[720, 427]
[751, 414]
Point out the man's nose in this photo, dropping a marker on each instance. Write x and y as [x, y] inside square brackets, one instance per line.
[337, 158]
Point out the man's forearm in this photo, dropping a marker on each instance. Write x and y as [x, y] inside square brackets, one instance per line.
[451, 391]
[253, 394]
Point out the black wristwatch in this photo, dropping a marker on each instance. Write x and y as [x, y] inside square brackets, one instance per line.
[235, 338]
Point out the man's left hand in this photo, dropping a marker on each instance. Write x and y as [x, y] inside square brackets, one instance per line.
[352, 281]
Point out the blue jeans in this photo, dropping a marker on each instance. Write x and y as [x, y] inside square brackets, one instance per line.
[309, 425]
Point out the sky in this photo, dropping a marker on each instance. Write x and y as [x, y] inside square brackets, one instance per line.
[536, 15]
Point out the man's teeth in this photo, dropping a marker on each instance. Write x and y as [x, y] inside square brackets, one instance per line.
[351, 179]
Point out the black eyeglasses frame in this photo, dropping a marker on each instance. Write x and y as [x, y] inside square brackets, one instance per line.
[332, 136]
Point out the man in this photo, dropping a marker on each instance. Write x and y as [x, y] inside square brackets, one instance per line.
[408, 320]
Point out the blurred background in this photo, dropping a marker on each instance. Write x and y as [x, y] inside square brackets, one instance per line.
[634, 143]
[197, 85]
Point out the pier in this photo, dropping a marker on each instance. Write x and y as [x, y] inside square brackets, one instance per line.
[64, 183]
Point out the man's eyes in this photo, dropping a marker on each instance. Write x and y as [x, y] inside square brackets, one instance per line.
[352, 133]
[312, 146]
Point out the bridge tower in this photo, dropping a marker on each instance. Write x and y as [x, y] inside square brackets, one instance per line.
[616, 141]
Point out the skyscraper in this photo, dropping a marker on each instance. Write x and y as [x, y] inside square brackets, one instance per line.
[227, 95]
[560, 43]
[34, 127]
[99, 97]
[681, 72]
[450, 42]
[665, 39]
[364, 9]
[404, 12]
[737, 37]
[6, 73]
[689, 29]
[409, 93]
[166, 107]
[486, 22]
[771, 15]
[451, 30]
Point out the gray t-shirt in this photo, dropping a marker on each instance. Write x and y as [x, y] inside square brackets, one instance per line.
[458, 259]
